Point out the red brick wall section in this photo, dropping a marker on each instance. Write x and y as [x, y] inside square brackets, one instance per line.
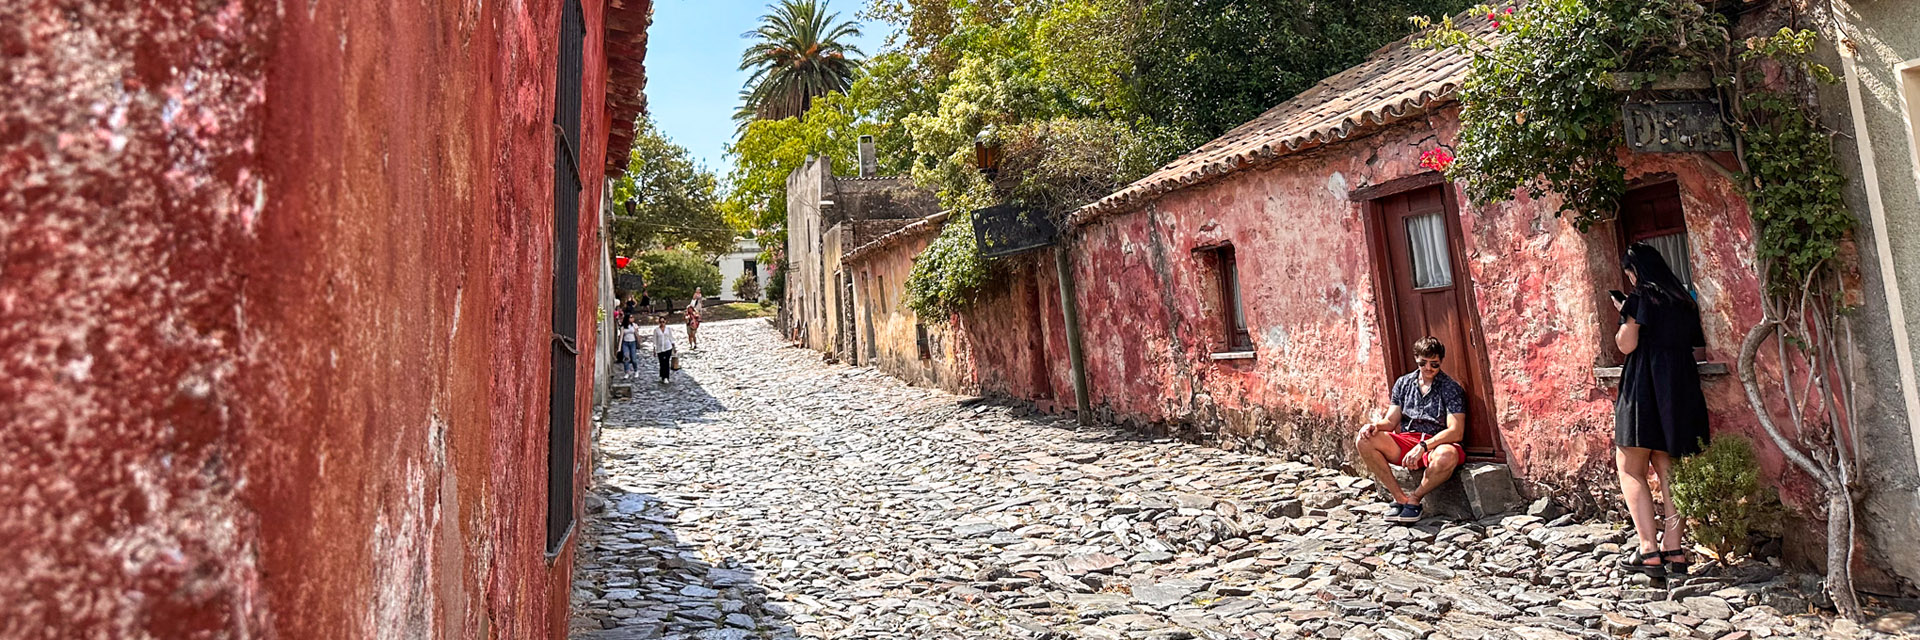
[1151, 316]
[274, 306]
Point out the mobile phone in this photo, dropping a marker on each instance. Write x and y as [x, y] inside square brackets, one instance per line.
[1617, 295]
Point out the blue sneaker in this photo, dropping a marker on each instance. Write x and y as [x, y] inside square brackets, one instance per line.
[1395, 512]
[1409, 514]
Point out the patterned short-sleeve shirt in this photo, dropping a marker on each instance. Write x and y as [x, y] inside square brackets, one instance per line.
[1427, 412]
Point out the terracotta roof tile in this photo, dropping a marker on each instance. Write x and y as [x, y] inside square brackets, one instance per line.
[1397, 81]
[916, 228]
[626, 44]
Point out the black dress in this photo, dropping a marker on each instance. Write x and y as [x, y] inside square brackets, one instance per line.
[1660, 405]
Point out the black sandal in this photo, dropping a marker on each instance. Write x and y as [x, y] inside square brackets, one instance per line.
[1640, 565]
[1676, 568]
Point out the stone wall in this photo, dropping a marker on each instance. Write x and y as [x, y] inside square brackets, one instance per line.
[805, 307]
[827, 217]
[1882, 81]
[274, 318]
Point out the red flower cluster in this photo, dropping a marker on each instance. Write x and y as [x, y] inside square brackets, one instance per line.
[1495, 17]
[1437, 159]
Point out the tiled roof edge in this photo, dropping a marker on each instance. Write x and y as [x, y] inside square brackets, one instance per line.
[915, 228]
[1137, 195]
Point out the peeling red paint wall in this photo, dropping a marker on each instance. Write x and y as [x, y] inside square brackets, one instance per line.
[1151, 311]
[274, 305]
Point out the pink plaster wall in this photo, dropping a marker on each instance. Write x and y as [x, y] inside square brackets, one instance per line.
[1151, 317]
[274, 307]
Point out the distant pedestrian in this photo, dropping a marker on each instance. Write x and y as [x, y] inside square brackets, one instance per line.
[693, 321]
[630, 348]
[663, 348]
[1661, 413]
[629, 309]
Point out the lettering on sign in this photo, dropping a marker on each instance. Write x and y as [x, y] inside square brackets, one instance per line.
[1677, 126]
[1006, 230]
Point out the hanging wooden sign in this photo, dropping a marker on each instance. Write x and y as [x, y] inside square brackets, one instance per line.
[1675, 127]
[1005, 230]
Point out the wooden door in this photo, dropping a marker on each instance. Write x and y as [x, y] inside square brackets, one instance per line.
[1036, 337]
[1425, 292]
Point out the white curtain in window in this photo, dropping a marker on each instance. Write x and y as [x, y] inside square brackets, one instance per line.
[1673, 247]
[1427, 246]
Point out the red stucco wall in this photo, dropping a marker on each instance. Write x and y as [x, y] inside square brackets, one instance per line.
[1150, 309]
[274, 307]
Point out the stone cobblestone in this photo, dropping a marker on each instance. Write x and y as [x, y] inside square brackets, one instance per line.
[764, 494]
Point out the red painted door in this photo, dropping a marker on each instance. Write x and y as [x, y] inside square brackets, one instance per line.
[1427, 294]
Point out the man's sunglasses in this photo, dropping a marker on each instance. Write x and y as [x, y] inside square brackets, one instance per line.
[1424, 362]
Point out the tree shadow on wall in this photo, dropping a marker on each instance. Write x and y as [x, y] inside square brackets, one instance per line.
[637, 580]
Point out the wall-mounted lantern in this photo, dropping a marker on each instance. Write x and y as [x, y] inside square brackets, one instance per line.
[986, 152]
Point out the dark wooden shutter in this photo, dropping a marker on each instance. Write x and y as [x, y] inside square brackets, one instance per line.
[566, 275]
[1238, 338]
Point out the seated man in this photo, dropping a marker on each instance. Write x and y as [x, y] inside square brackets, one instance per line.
[1422, 429]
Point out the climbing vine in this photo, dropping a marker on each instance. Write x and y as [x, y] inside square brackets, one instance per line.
[950, 272]
[1541, 114]
[1540, 111]
[1792, 181]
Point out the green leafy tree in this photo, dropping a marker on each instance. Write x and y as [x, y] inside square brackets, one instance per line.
[666, 200]
[1075, 91]
[768, 150]
[673, 274]
[800, 53]
[949, 273]
[1207, 66]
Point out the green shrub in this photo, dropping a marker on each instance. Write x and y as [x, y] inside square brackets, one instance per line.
[1721, 495]
[948, 274]
[777, 284]
[747, 287]
[673, 274]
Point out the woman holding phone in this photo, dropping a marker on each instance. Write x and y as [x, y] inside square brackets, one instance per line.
[1661, 413]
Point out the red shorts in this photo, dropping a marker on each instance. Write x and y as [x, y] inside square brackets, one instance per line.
[1408, 440]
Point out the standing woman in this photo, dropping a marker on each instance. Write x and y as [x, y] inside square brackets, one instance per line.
[663, 348]
[693, 321]
[1661, 413]
[630, 346]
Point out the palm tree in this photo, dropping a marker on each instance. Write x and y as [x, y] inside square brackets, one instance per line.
[800, 53]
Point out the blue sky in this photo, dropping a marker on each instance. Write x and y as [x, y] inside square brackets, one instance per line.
[693, 80]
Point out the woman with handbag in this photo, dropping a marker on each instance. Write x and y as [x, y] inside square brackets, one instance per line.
[663, 348]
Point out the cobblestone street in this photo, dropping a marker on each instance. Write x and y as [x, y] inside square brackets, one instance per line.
[764, 494]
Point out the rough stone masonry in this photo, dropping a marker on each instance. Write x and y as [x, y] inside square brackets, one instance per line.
[765, 495]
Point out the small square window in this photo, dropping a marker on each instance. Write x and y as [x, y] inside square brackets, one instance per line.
[921, 341]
